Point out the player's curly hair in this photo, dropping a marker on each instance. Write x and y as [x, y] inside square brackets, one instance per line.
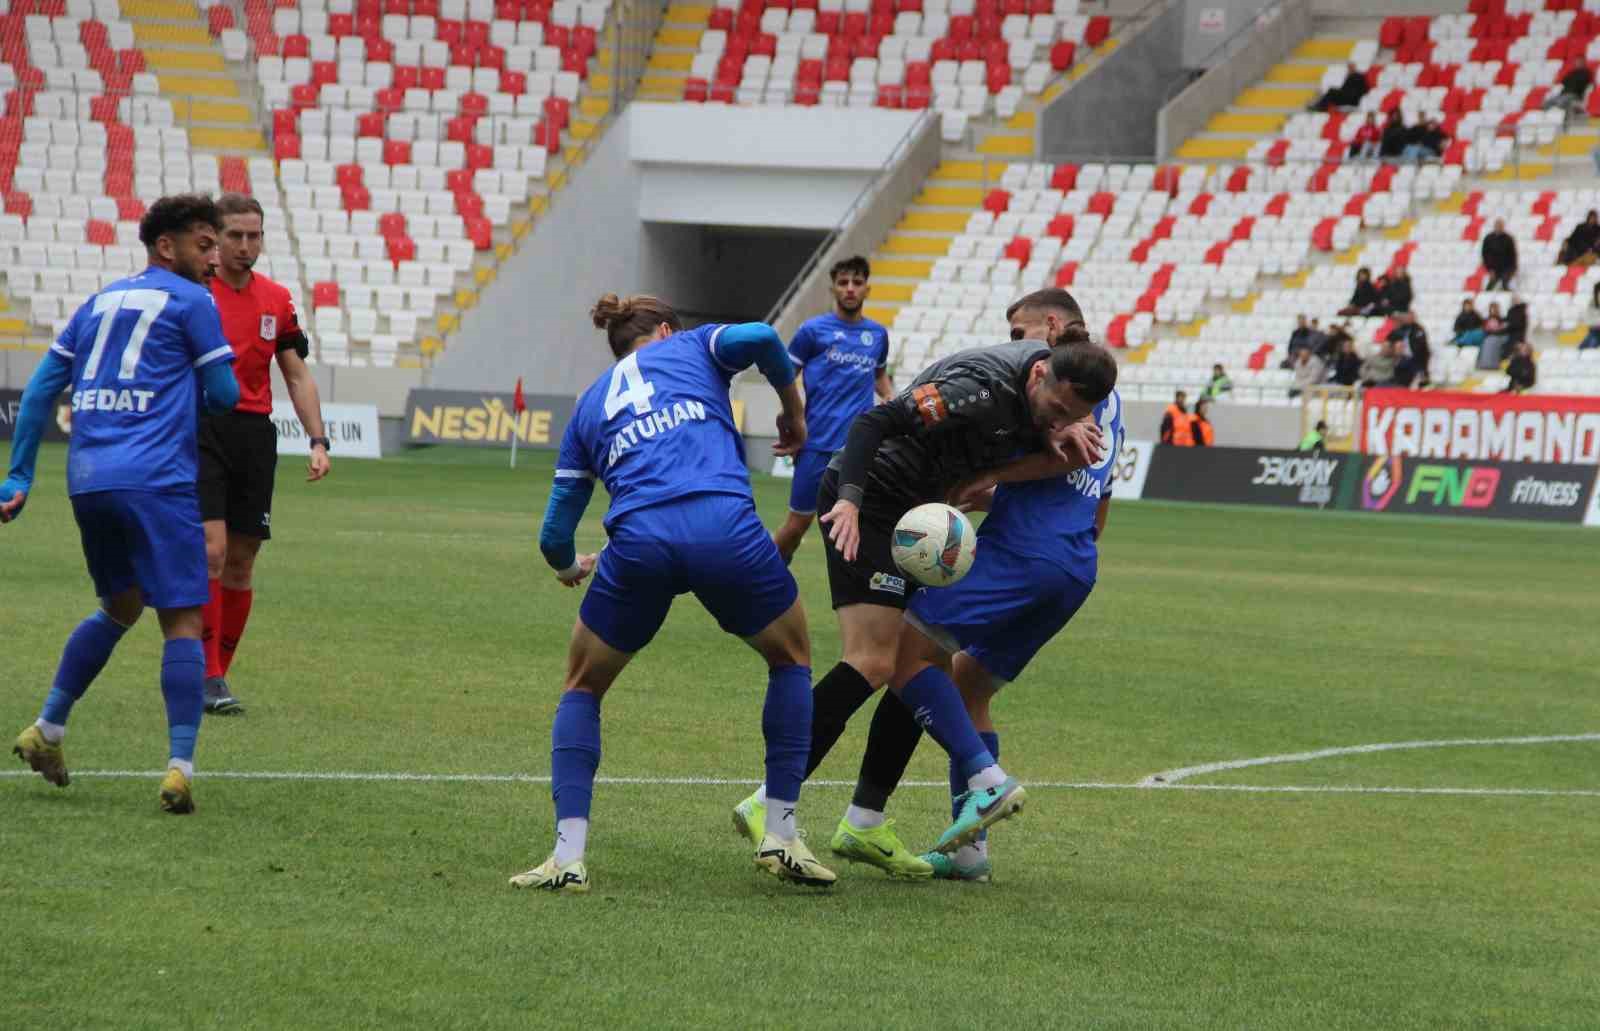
[178, 213]
[625, 321]
[856, 265]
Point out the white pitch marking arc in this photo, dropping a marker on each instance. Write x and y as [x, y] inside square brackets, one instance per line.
[1172, 778]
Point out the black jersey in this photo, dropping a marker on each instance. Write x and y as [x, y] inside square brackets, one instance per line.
[963, 415]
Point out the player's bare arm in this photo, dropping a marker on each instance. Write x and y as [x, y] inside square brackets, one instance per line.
[883, 386]
[307, 407]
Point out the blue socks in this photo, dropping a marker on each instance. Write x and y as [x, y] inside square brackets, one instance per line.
[574, 754]
[934, 700]
[958, 782]
[786, 723]
[82, 659]
[183, 678]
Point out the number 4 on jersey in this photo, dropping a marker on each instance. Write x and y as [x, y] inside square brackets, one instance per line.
[628, 387]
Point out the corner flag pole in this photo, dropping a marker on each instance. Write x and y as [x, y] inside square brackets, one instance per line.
[519, 405]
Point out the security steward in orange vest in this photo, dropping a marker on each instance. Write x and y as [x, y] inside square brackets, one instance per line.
[1203, 433]
[1176, 428]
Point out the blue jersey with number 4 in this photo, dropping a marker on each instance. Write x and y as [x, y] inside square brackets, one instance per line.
[658, 426]
[135, 347]
[840, 362]
[1053, 520]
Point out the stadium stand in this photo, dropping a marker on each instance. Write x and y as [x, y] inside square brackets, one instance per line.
[1190, 263]
[967, 59]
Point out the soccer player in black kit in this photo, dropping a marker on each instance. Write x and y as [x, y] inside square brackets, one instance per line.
[965, 414]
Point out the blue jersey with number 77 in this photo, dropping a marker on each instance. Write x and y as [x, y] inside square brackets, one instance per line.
[135, 347]
[658, 426]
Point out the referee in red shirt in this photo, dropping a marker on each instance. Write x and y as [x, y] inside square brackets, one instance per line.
[239, 450]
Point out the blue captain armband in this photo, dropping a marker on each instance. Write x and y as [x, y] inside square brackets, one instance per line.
[754, 343]
[568, 498]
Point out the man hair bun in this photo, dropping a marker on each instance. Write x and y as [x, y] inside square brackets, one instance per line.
[1074, 333]
[610, 310]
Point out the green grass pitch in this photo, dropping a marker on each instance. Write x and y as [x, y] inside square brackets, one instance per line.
[405, 624]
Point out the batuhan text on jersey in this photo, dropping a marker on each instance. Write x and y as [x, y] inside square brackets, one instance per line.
[656, 422]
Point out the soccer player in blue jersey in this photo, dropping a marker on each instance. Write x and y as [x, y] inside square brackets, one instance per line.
[842, 357]
[138, 357]
[657, 429]
[1036, 563]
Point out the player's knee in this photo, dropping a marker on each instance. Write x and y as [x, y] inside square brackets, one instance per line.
[874, 669]
[237, 571]
[216, 557]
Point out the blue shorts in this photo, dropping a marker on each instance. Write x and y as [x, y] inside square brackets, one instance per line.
[1003, 611]
[808, 469]
[711, 544]
[146, 539]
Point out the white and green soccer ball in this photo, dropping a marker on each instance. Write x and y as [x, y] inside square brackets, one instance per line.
[934, 544]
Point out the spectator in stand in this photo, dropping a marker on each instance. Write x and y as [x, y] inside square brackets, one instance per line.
[1494, 339]
[1575, 82]
[1499, 257]
[1347, 94]
[1424, 141]
[1325, 344]
[1521, 370]
[1378, 369]
[1364, 146]
[1411, 351]
[1347, 366]
[1299, 340]
[1592, 316]
[1220, 384]
[1396, 293]
[1365, 299]
[1309, 371]
[1516, 321]
[1201, 431]
[1395, 136]
[1176, 425]
[1316, 440]
[1468, 328]
[1580, 243]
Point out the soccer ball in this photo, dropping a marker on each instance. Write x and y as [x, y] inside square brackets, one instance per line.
[934, 544]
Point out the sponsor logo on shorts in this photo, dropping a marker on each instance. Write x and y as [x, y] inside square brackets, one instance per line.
[889, 584]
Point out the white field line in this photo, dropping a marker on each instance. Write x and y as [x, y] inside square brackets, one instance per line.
[1168, 778]
[738, 782]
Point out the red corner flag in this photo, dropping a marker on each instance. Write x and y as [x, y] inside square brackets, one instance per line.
[518, 404]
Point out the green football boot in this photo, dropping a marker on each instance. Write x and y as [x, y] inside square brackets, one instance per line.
[980, 810]
[880, 847]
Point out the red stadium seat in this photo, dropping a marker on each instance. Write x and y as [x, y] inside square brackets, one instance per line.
[1061, 55]
[400, 248]
[997, 201]
[1066, 274]
[129, 209]
[356, 198]
[391, 223]
[218, 18]
[100, 233]
[324, 295]
[1019, 249]
[480, 232]
[396, 152]
[349, 175]
[1061, 227]
[286, 146]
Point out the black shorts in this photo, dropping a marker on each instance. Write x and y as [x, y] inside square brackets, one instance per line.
[873, 578]
[238, 460]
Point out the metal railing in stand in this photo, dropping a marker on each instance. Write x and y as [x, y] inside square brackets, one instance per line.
[925, 123]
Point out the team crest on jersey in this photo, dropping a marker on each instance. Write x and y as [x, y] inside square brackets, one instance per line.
[866, 338]
[889, 584]
[269, 327]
